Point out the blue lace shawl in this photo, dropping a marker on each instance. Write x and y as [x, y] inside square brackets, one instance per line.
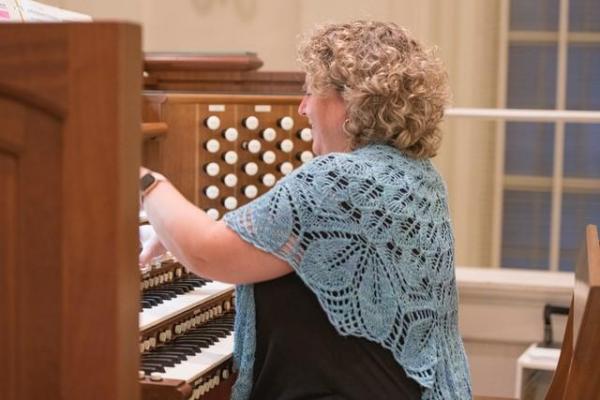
[369, 233]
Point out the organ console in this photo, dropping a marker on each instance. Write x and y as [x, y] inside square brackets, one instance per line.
[229, 138]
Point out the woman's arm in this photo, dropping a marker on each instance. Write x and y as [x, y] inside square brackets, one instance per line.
[208, 248]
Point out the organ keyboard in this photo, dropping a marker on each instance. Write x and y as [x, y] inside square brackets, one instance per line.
[186, 333]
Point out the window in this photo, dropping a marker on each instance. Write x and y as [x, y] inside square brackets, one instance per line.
[551, 185]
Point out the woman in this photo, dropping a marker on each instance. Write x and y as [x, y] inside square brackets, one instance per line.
[345, 268]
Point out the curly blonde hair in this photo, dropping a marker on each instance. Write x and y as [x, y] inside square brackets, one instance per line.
[395, 90]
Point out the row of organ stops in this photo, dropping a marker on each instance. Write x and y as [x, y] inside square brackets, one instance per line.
[256, 147]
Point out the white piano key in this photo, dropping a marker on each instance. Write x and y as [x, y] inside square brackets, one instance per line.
[199, 364]
[168, 308]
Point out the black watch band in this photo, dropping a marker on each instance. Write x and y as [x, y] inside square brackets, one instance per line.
[149, 181]
[146, 181]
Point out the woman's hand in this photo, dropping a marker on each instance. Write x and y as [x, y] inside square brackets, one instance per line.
[152, 247]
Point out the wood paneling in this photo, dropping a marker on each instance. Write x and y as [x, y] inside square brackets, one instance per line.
[182, 155]
[69, 151]
[577, 375]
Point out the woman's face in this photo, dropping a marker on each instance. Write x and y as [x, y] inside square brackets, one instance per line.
[326, 114]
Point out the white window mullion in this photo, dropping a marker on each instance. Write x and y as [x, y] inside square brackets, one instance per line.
[559, 135]
[498, 194]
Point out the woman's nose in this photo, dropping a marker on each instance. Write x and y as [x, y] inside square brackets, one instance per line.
[302, 107]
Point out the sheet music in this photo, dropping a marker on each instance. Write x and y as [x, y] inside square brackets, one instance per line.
[33, 11]
[9, 11]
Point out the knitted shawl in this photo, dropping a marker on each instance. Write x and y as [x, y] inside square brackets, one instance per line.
[369, 233]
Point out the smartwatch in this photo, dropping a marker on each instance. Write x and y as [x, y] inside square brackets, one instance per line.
[149, 181]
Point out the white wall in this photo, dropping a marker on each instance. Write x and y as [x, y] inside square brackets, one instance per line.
[501, 314]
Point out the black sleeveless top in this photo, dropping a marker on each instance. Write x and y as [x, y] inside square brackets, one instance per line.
[300, 356]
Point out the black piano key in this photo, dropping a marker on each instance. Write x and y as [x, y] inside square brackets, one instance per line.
[149, 367]
[168, 350]
[173, 352]
[165, 361]
[199, 343]
[146, 304]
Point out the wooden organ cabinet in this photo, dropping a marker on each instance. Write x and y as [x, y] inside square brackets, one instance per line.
[69, 153]
[223, 133]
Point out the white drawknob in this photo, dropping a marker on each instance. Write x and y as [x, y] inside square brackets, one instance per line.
[213, 214]
[231, 134]
[286, 123]
[306, 134]
[225, 373]
[251, 122]
[213, 145]
[230, 180]
[269, 157]
[253, 146]
[212, 169]
[286, 145]
[156, 376]
[213, 122]
[230, 203]
[250, 191]
[286, 167]
[251, 168]
[230, 157]
[268, 180]
[306, 156]
[212, 192]
[269, 134]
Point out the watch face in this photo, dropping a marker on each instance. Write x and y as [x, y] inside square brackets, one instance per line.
[146, 181]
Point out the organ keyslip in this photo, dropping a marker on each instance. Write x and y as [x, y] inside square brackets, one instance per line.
[221, 150]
